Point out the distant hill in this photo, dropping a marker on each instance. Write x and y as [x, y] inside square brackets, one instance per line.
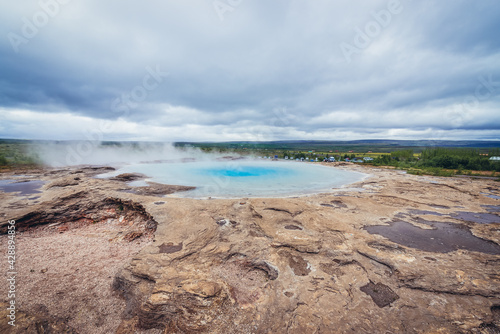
[376, 145]
[390, 142]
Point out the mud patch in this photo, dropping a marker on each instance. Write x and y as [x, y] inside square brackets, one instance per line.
[443, 238]
[381, 294]
[170, 248]
[299, 266]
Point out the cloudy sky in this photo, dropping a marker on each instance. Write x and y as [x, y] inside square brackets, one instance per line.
[223, 70]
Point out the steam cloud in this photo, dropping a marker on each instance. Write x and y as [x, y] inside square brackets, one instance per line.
[60, 154]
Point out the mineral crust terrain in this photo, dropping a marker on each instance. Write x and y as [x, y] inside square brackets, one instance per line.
[395, 253]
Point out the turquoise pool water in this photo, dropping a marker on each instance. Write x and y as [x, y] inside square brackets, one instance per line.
[245, 171]
[245, 178]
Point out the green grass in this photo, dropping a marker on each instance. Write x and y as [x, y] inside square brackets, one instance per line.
[17, 154]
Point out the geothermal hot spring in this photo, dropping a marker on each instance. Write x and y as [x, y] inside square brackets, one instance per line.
[243, 177]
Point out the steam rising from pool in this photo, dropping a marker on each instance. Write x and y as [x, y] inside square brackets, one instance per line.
[245, 178]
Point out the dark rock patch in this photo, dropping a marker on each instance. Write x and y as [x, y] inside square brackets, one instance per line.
[269, 270]
[386, 247]
[170, 248]
[128, 177]
[381, 294]
[131, 236]
[158, 189]
[278, 210]
[293, 227]
[339, 204]
[331, 269]
[436, 206]
[80, 207]
[94, 170]
[423, 212]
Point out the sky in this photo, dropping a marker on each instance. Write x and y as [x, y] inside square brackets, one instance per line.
[240, 70]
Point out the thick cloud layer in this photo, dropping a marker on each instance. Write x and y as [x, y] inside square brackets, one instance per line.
[249, 70]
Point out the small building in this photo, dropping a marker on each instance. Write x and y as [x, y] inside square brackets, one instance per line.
[495, 159]
[368, 159]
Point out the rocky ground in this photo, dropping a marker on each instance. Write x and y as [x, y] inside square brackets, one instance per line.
[396, 253]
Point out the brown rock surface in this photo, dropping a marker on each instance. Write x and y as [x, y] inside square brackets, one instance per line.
[279, 265]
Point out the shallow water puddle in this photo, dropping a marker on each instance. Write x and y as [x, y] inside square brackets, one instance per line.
[476, 217]
[492, 208]
[473, 217]
[25, 188]
[443, 238]
[491, 195]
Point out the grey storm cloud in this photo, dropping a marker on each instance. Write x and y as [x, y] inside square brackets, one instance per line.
[239, 69]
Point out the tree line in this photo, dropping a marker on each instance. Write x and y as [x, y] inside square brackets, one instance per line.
[447, 158]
